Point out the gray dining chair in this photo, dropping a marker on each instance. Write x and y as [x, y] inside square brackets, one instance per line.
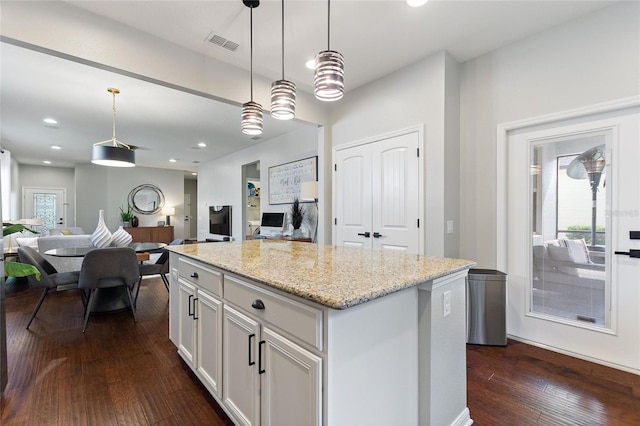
[108, 268]
[50, 278]
[160, 267]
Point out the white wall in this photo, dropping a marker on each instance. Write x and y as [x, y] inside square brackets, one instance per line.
[49, 177]
[410, 97]
[107, 188]
[220, 182]
[589, 60]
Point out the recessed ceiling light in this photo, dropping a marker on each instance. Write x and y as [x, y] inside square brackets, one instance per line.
[56, 147]
[416, 3]
[47, 162]
[311, 64]
[202, 144]
[172, 160]
[49, 120]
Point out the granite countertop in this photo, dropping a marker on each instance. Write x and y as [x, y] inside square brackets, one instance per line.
[333, 276]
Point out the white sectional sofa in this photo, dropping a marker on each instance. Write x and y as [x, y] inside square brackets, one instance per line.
[63, 264]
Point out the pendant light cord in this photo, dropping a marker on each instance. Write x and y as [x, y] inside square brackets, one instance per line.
[283, 39]
[115, 143]
[328, 24]
[251, 47]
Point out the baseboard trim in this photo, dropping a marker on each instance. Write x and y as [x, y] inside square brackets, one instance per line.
[576, 355]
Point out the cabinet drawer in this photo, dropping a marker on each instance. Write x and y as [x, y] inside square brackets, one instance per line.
[298, 319]
[200, 275]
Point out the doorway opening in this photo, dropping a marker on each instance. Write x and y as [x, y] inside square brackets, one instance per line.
[251, 199]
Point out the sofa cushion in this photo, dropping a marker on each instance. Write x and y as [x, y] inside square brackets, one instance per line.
[578, 250]
[560, 254]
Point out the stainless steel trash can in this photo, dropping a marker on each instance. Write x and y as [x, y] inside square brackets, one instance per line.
[486, 307]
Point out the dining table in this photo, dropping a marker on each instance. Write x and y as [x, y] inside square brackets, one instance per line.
[114, 298]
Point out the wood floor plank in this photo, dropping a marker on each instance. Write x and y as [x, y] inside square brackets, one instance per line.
[120, 372]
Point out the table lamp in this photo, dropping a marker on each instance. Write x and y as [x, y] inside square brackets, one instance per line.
[169, 211]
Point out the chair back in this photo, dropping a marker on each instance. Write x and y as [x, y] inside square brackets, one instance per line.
[29, 256]
[109, 267]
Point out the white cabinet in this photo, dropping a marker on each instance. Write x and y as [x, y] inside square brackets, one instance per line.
[241, 393]
[209, 342]
[186, 323]
[271, 358]
[200, 322]
[268, 379]
[291, 382]
[378, 194]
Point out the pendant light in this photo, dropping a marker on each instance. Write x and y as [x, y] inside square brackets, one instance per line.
[112, 152]
[283, 92]
[251, 111]
[329, 72]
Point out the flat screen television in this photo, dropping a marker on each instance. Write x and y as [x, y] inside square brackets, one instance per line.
[220, 220]
[272, 224]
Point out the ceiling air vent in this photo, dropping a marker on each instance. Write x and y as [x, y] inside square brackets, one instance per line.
[223, 42]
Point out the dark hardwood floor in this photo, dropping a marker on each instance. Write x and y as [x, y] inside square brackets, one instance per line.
[121, 373]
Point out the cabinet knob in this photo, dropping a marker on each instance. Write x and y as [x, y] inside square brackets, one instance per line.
[194, 275]
[257, 304]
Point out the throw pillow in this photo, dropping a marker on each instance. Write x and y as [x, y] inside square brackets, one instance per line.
[28, 242]
[561, 254]
[66, 232]
[578, 250]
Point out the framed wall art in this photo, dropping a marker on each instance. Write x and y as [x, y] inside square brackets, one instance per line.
[285, 179]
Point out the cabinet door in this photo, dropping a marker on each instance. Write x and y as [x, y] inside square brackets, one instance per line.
[174, 300]
[291, 389]
[187, 324]
[209, 342]
[240, 381]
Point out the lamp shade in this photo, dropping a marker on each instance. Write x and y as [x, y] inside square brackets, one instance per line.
[309, 191]
[31, 222]
[106, 155]
[329, 76]
[169, 211]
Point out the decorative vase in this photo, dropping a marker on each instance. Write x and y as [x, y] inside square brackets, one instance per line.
[126, 224]
[134, 221]
[121, 238]
[297, 233]
[101, 237]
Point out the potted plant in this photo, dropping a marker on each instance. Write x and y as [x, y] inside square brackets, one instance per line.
[297, 217]
[126, 216]
[17, 269]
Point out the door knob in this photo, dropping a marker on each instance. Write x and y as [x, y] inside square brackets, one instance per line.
[377, 235]
[364, 234]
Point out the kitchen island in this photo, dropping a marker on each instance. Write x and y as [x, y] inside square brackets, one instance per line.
[287, 332]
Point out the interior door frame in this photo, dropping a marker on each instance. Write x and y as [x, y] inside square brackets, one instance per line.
[419, 129]
[45, 189]
[505, 131]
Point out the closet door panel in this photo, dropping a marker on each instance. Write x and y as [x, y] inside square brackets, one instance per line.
[395, 200]
[353, 176]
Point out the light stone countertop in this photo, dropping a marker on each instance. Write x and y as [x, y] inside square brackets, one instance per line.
[333, 276]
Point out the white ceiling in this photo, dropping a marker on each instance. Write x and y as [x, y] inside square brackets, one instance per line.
[375, 37]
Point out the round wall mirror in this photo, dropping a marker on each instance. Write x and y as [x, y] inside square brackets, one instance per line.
[146, 199]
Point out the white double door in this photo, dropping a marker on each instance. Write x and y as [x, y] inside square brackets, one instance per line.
[378, 194]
